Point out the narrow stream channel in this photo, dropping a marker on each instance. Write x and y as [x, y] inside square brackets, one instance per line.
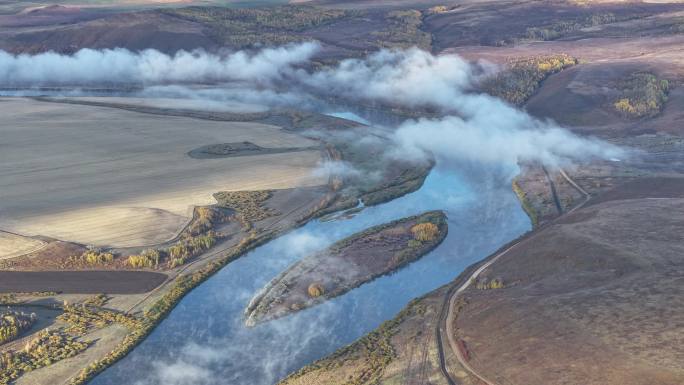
[204, 340]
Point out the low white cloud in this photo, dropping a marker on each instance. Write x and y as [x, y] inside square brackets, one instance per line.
[471, 125]
[407, 77]
[150, 66]
[338, 168]
[304, 243]
[182, 373]
[493, 140]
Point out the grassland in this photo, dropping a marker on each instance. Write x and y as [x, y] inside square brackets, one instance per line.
[602, 290]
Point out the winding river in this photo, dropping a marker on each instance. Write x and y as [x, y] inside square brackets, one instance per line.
[204, 340]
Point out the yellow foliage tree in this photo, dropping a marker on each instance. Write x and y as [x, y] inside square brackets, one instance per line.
[316, 290]
[425, 231]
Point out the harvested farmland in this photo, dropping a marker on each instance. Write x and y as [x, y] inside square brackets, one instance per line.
[114, 178]
[14, 245]
[347, 264]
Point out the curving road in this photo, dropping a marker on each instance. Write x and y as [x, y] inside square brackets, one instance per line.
[452, 296]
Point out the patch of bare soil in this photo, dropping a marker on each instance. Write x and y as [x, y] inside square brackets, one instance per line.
[595, 298]
[51, 257]
[347, 264]
[80, 282]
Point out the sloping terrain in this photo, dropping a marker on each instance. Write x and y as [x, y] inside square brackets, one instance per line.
[342, 33]
[85, 182]
[595, 298]
[12, 245]
[592, 297]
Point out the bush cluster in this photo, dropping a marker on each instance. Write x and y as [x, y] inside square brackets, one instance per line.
[82, 317]
[248, 205]
[246, 27]
[486, 284]
[403, 30]
[522, 77]
[13, 323]
[316, 290]
[425, 232]
[375, 349]
[206, 218]
[92, 258]
[156, 312]
[641, 95]
[47, 347]
[562, 28]
[189, 247]
[148, 258]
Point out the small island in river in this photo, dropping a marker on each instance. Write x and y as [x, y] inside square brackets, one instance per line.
[347, 264]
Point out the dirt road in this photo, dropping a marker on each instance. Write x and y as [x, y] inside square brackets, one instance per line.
[452, 296]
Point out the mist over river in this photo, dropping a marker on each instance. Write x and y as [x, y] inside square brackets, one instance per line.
[204, 339]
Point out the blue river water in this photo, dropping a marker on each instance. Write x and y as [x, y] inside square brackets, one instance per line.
[204, 340]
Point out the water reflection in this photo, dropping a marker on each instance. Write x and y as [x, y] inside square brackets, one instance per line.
[204, 340]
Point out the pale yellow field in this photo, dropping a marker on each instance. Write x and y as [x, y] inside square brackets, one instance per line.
[109, 177]
[12, 245]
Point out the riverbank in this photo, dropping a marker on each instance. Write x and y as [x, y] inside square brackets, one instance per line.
[291, 207]
[400, 348]
[180, 287]
[280, 346]
[346, 265]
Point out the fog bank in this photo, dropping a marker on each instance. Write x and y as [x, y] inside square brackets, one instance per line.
[470, 125]
[149, 66]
